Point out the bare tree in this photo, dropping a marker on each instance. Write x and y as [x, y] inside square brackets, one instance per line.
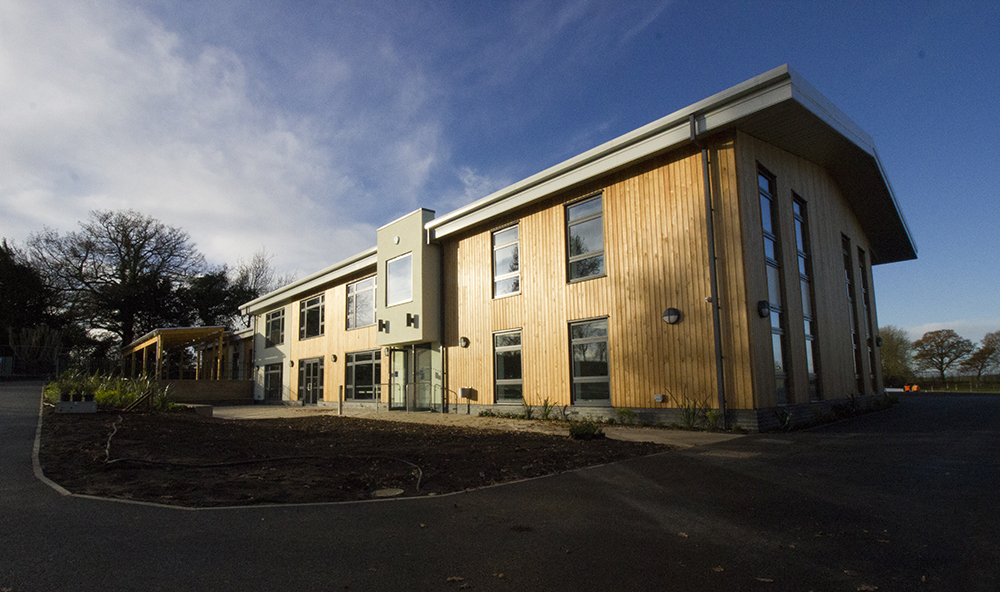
[940, 350]
[121, 273]
[986, 358]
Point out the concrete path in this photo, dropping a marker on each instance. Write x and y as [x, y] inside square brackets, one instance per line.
[676, 438]
[903, 499]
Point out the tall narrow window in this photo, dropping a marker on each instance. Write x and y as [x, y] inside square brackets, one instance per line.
[272, 381]
[274, 328]
[808, 298]
[852, 315]
[364, 375]
[589, 352]
[508, 383]
[869, 334]
[506, 262]
[399, 280]
[772, 258]
[312, 317]
[361, 303]
[585, 239]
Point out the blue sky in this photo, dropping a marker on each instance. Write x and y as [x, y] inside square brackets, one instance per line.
[302, 126]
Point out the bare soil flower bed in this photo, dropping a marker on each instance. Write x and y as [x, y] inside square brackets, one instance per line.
[189, 460]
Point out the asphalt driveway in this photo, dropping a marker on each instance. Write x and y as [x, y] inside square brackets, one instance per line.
[903, 499]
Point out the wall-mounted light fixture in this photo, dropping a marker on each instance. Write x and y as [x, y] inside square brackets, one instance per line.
[463, 342]
[383, 326]
[671, 316]
[333, 357]
[291, 362]
[878, 341]
[763, 308]
[412, 320]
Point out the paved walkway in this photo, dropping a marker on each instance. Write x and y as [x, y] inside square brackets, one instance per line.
[899, 500]
[675, 438]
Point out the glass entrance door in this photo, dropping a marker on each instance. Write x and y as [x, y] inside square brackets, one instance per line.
[311, 381]
[416, 378]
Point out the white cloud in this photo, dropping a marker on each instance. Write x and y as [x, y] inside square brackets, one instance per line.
[972, 329]
[102, 107]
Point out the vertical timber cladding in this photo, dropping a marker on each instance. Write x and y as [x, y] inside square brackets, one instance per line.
[830, 217]
[656, 257]
[335, 340]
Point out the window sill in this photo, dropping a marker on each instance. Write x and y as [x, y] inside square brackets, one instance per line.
[585, 279]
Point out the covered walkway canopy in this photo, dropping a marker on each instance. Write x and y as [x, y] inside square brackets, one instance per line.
[148, 355]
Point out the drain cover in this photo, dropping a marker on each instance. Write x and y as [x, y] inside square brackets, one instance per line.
[391, 492]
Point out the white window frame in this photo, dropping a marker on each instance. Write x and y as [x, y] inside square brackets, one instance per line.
[389, 283]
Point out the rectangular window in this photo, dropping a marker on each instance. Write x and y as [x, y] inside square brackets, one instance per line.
[364, 375]
[274, 328]
[585, 239]
[312, 317]
[852, 314]
[589, 360]
[869, 334]
[808, 298]
[272, 381]
[508, 384]
[399, 280]
[506, 262]
[361, 303]
[772, 263]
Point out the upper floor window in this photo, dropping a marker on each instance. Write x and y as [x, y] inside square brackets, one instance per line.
[312, 317]
[274, 328]
[506, 262]
[585, 239]
[361, 303]
[399, 280]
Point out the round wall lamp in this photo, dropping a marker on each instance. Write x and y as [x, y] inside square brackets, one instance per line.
[671, 316]
[763, 308]
[333, 357]
[291, 362]
[463, 342]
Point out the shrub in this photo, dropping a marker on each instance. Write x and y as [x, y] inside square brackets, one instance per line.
[625, 416]
[585, 430]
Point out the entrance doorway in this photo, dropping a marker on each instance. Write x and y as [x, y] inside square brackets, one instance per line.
[311, 381]
[415, 377]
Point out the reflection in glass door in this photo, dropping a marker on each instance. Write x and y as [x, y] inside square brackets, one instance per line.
[415, 382]
[311, 381]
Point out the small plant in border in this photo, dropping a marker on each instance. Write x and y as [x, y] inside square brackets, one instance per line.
[626, 416]
[585, 430]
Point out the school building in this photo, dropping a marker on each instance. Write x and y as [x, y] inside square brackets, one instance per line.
[719, 258]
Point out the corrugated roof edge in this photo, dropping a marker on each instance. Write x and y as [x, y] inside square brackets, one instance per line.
[345, 267]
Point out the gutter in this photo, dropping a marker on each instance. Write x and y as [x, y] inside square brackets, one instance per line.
[712, 271]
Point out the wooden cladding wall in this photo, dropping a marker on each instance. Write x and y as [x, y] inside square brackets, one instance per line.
[829, 218]
[656, 257]
[336, 339]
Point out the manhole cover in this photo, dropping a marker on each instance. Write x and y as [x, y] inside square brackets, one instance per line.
[391, 492]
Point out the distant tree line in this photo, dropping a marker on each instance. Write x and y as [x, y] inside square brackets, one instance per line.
[84, 294]
[942, 352]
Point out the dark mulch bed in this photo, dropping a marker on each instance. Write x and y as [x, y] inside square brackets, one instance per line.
[186, 459]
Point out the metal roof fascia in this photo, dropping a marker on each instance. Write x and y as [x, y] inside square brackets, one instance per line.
[895, 204]
[335, 271]
[620, 151]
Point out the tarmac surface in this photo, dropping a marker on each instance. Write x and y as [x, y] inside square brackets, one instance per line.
[903, 499]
